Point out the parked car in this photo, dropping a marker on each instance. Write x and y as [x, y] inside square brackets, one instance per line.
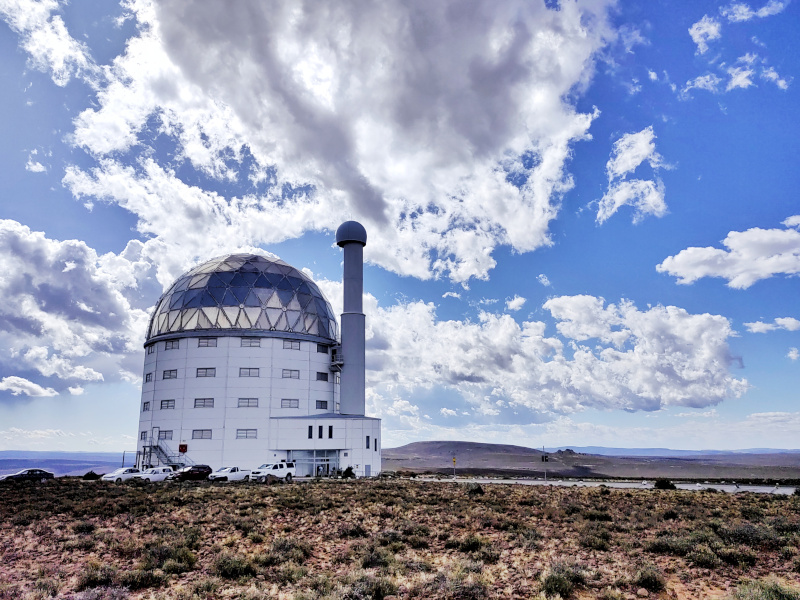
[154, 474]
[230, 474]
[121, 474]
[191, 473]
[281, 470]
[28, 475]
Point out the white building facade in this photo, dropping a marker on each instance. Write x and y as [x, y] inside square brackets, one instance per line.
[242, 367]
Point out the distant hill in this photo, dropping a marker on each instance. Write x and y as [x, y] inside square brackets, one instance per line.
[666, 452]
[62, 463]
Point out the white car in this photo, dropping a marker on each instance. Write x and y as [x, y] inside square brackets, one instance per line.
[121, 474]
[154, 474]
[281, 470]
[230, 474]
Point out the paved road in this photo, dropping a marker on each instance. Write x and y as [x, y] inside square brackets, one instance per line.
[730, 488]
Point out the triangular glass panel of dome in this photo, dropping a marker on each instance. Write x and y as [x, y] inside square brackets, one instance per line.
[224, 267]
[222, 320]
[234, 263]
[249, 267]
[176, 301]
[226, 276]
[285, 296]
[293, 304]
[294, 320]
[286, 269]
[274, 268]
[274, 279]
[230, 299]
[214, 281]
[206, 299]
[252, 299]
[199, 281]
[252, 314]
[295, 281]
[162, 322]
[196, 301]
[262, 282]
[212, 314]
[218, 294]
[284, 284]
[189, 318]
[232, 312]
[314, 289]
[303, 288]
[322, 307]
[242, 322]
[263, 295]
[202, 321]
[274, 301]
[311, 325]
[190, 295]
[262, 322]
[273, 314]
[304, 299]
[182, 284]
[240, 293]
[281, 324]
[174, 319]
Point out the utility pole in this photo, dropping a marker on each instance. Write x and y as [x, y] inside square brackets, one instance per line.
[454, 467]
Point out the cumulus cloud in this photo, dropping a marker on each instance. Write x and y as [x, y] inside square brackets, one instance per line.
[747, 257]
[542, 278]
[708, 82]
[19, 385]
[447, 412]
[451, 295]
[515, 303]
[446, 131]
[787, 323]
[646, 196]
[770, 74]
[793, 354]
[704, 31]
[45, 326]
[740, 77]
[738, 12]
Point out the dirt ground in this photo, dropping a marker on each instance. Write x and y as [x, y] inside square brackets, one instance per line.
[353, 540]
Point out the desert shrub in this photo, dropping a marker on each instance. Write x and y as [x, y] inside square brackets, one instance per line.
[474, 489]
[376, 557]
[348, 473]
[233, 566]
[755, 536]
[596, 538]
[255, 537]
[140, 579]
[530, 538]
[596, 515]
[650, 578]
[611, 594]
[796, 565]
[368, 587]
[737, 556]
[471, 543]
[82, 543]
[704, 557]
[488, 555]
[91, 476]
[352, 530]
[47, 587]
[674, 545]
[284, 550]
[95, 574]
[417, 542]
[562, 578]
[752, 513]
[766, 589]
[670, 514]
[83, 527]
[662, 483]
[290, 573]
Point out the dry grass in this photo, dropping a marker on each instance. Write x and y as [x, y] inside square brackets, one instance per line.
[354, 540]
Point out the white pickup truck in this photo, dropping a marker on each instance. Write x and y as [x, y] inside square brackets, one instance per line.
[230, 474]
[281, 470]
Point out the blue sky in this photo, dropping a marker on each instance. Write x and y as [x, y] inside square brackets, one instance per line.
[583, 218]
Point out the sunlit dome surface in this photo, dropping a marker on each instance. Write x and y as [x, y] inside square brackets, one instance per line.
[243, 292]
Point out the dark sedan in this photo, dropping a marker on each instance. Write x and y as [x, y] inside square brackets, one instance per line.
[28, 475]
[192, 473]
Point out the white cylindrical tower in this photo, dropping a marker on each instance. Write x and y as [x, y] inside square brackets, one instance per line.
[352, 237]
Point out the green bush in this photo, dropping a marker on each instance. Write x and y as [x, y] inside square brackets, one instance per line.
[95, 575]
[140, 579]
[704, 557]
[766, 589]
[650, 578]
[562, 578]
[233, 566]
[662, 483]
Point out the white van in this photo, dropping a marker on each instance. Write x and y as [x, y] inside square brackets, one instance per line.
[281, 470]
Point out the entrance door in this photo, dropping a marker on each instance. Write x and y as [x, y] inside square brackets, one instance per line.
[368, 470]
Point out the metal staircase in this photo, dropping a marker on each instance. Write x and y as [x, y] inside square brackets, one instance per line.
[166, 456]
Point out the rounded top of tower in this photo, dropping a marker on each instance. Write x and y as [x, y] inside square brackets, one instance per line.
[351, 231]
[238, 293]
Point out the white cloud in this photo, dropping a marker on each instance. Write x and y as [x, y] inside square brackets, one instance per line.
[709, 414]
[793, 354]
[451, 295]
[646, 196]
[447, 412]
[708, 82]
[787, 323]
[770, 74]
[740, 78]
[652, 75]
[363, 108]
[704, 31]
[738, 12]
[542, 278]
[19, 385]
[76, 390]
[34, 166]
[515, 303]
[748, 257]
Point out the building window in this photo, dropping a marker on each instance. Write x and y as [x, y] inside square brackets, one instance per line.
[165, 404]
[322, 405]
[165, 434]
[247, 372]
[204, 403]
[291, 345]
[201, 434]
[330, 431]
[320, 432]
[172, 345]
[148, 377]
[251, 343]
[367, 442]
[151, 348]
[246, 434]
[345, 454]
[170, 374]
[310, 431]
[338, 378]
[207, 372]
[322, 376]
[290, 403]
[248, 402]
[376, 444]
[322, 348]
[143, 435]
[291, 374]
[145, 407]
[207, 343]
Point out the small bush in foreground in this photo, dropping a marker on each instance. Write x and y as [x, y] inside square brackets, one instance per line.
[562, 578]
[766, 589]
[140, 579]
[96, 575]
[663, 483]
[650, 578]
[233, 566]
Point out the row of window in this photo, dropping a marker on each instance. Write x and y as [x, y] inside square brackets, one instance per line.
[242, 403]
[243, 372]
[211, 342]
[243, 434]
[321, 429]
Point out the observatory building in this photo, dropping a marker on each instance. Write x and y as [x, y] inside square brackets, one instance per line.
[244, 365]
